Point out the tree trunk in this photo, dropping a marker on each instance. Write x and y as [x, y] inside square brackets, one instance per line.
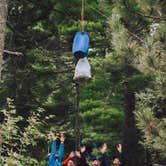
[3, 18]
[133, 151]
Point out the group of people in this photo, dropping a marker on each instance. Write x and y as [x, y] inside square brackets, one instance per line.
[79, 158]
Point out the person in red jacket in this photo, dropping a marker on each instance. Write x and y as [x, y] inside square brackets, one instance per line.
[69, 161]
[79, 156]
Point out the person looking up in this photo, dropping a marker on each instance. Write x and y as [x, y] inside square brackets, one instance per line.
[69, 160]
[104, 160]
[118, 160]
[55, 159]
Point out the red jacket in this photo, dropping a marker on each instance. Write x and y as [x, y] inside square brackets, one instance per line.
[66, 161]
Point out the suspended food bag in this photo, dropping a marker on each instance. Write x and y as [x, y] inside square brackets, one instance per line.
[81, 45]
[82, 70]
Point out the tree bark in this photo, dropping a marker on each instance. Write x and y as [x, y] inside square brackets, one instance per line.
[133, 151]
[3, 18]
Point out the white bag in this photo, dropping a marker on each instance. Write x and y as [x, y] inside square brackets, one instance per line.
[82, 70]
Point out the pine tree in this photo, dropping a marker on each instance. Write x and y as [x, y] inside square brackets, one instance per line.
[147, 28]
[150, 113]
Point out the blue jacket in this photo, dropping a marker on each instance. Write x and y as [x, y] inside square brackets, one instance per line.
[52, 159]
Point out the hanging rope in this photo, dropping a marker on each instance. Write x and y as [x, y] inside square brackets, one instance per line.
[77, 110]
[82, 16]
[77, 117]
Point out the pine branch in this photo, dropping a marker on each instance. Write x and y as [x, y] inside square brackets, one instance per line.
[152, 17]
[141, 14]
[134, 35]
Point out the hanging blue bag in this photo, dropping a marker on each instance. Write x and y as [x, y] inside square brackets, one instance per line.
[81, 45]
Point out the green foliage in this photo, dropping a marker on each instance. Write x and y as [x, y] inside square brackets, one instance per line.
[9, 129]
[150, 106]
[99, 128]
[40, 81]
[102, 109]
[119, 34]
[126, 59]
[14, 142]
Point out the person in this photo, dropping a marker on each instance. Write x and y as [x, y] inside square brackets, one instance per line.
[81, 156]
[118, 160]
[71, 163]
[54, 158]
[69, 160]
[95, 162]
[104, 160]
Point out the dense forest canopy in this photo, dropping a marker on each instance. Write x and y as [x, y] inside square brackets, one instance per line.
[124, 102]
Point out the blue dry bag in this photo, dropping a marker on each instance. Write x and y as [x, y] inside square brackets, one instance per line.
[81, 45]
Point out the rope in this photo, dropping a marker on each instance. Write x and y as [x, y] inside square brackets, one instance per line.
[77, 111]
[82, 16]
[77, 120]
[77, 117]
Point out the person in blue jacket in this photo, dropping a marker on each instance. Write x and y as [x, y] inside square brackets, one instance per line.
[54, 158]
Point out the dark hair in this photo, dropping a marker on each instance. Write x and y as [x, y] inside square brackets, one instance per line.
[82, 144]
[93, 159]
[115, 156]
[54, 132]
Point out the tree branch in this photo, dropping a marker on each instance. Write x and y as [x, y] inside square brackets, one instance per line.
[134, 35]
[152, 17]
[13, 53]
[141, 14]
